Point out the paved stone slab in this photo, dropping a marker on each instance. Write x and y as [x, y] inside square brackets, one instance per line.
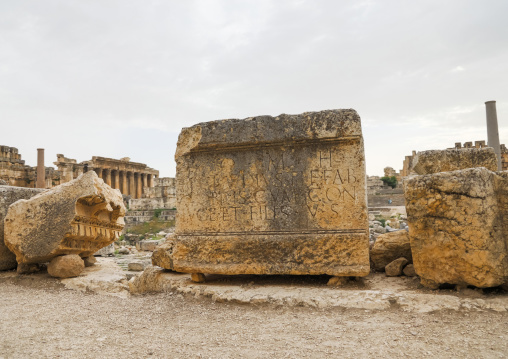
[374, 292]
[265, 195]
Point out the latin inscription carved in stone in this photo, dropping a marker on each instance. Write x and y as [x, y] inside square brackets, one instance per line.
[272, 195]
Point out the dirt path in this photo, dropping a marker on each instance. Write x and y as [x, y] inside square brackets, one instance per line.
[41, 319]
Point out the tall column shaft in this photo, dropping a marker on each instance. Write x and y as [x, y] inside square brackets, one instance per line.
[132, 187]
[139, 185]
[117, 179]
[493, 130]
[107, 176]
[124, 187]
[41, 170]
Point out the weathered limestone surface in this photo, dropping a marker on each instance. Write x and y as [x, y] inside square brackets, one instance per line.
[66, 266]
[265, 195]
[458, 227]
[394, 269]
[78, 217]
[434, 161]
[389, 247]
[9, 195]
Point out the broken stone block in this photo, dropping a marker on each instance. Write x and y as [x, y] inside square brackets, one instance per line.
[136, 266]
[109, 250]
[90, 261]
[409, 271]
[149, 245]
[434, 161]
[77, 217]
[337, 281]
[265, 195]
[124, 250]
[389, 247]
[9, 195]
[198, 277]
[28, 268]
[161, 256]
[66, 266]
[458, 227]
[394, 269]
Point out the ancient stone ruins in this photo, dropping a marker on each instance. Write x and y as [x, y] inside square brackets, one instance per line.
[265, 195]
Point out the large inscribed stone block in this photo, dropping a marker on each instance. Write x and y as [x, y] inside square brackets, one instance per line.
[77, 217]
[9, 195]
[458, 227]
[265, 195]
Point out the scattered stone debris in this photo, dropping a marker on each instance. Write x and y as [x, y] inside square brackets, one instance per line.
[109, 250]
[149, 245]
[394, 268]
[409, 271]
[89, 261]
[136, 266]
[389, 247]
[124, 250]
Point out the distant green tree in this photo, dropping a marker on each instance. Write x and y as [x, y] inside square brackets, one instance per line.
[390, 181]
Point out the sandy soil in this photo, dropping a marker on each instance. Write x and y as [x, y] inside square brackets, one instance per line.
[42, 319]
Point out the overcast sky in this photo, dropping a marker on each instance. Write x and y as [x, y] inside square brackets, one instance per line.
[121, 78]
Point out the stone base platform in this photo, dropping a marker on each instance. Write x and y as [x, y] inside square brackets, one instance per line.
[374, 292]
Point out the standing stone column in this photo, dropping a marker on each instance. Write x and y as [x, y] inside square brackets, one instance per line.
[107, 177]
[41, 171]
[79, 170]
[132, 186]
[98, 171]
[139, 185]
[117, 179]
[493, 130]
[124, 187]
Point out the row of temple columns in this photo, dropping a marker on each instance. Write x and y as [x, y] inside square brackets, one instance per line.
[128, 182]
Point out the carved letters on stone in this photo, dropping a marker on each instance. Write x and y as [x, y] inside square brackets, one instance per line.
[268, 195]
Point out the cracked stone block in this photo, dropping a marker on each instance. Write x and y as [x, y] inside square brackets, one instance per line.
[458, 227]
[77, 217]
[271, 195]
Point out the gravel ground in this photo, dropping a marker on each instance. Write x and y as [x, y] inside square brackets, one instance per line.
[41, 319]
